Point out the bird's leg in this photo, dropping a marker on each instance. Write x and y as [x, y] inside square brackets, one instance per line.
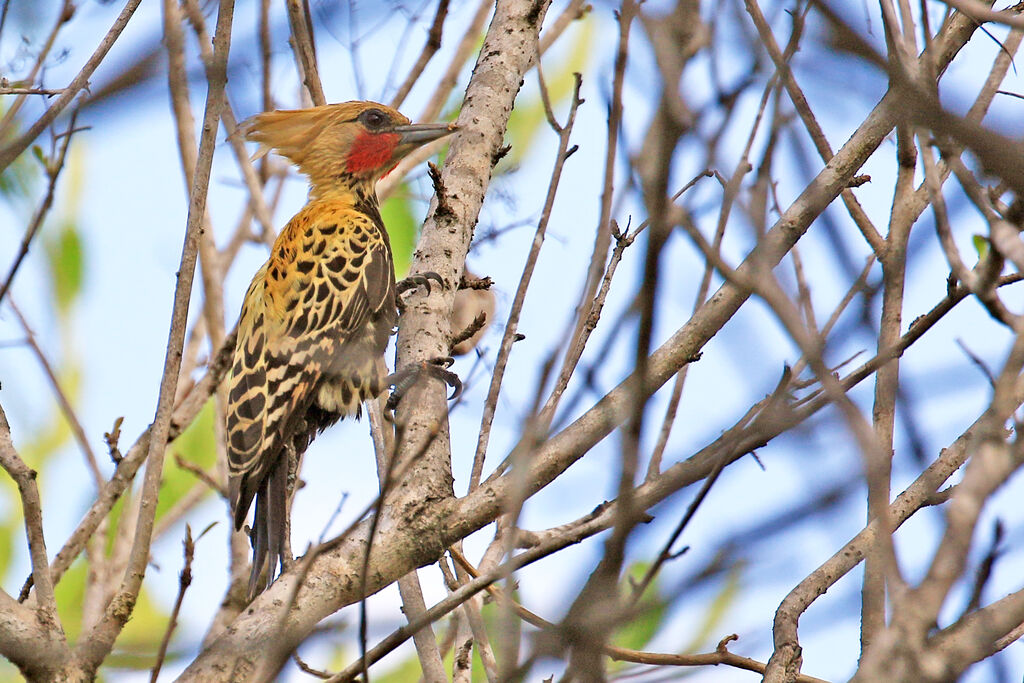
[412, 282]
[403, 380]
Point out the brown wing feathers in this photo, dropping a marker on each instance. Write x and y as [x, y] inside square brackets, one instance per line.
[314, 314]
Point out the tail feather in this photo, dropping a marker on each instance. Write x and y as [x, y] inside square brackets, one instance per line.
[258, 537]
[277, 511]
[269, 529]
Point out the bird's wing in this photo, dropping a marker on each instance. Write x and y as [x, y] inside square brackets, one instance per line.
[328, 273]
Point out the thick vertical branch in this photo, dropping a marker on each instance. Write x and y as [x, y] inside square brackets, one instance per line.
[507, 53]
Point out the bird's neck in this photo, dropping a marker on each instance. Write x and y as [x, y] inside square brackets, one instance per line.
[360, 195]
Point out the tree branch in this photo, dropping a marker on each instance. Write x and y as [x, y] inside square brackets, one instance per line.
[95, 647]
[11, 151]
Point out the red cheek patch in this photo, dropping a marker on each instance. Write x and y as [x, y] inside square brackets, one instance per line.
[370, 151]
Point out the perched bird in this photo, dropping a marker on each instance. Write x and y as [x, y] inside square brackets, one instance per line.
[317, 317]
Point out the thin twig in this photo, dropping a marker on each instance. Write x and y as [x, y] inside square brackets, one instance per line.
[982, 13]
[258, 202]
[409, 587]
[304, 46]
[603, 236]
[32, 511]
[203, 476]
[512, 323]
[64, 15]
[13, 149]
[185, 412]
[62, 398]
[720, 656]
[430, 48]
[53, 169]
[15, 90]
[184, 581]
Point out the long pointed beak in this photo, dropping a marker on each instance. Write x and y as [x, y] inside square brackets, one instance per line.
[420, 133]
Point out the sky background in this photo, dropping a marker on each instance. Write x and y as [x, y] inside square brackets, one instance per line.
[124, 193]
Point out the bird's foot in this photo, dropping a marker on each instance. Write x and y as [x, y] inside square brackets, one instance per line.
[418, 280]
[403, 380]
[413, 281]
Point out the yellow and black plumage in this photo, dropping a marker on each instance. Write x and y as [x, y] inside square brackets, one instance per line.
[316, 319]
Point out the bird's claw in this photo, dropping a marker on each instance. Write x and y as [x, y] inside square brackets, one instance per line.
[418, 280]
[403, 380]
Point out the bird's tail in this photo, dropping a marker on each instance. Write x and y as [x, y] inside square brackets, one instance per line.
[269, 528]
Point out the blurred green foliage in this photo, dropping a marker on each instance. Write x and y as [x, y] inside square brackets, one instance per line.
[528, 119]
[65, 254]
[651, 611]
[403, 228]
[197, 444]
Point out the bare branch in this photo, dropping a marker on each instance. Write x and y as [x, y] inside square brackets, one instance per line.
[95, 647]
[430, 48]
[46, 612]
[10, 151]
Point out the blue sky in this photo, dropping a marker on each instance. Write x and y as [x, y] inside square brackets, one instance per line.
[129, 204]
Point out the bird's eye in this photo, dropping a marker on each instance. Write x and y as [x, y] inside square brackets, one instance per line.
[374, 119]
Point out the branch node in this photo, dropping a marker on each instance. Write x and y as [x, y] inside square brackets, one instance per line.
[474, 326]
[469, 282]
[724, 642]
[111, 438]
[443, 208]
[499, 154]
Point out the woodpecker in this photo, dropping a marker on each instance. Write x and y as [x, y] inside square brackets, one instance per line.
[317, 316]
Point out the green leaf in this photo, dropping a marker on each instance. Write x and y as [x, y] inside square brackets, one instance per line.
[138, 642]
[142, 633]
[17, 179]
[113, 522]
[408, 671]
[639, 630]
[981, 245]
[8, 673]
[70, 593]
[48, 438]
[67, 268]
[402, 228]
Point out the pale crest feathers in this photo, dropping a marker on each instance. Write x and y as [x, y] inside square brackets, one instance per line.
[295, 133]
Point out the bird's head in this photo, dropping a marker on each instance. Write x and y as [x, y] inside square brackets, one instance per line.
[342, 147]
